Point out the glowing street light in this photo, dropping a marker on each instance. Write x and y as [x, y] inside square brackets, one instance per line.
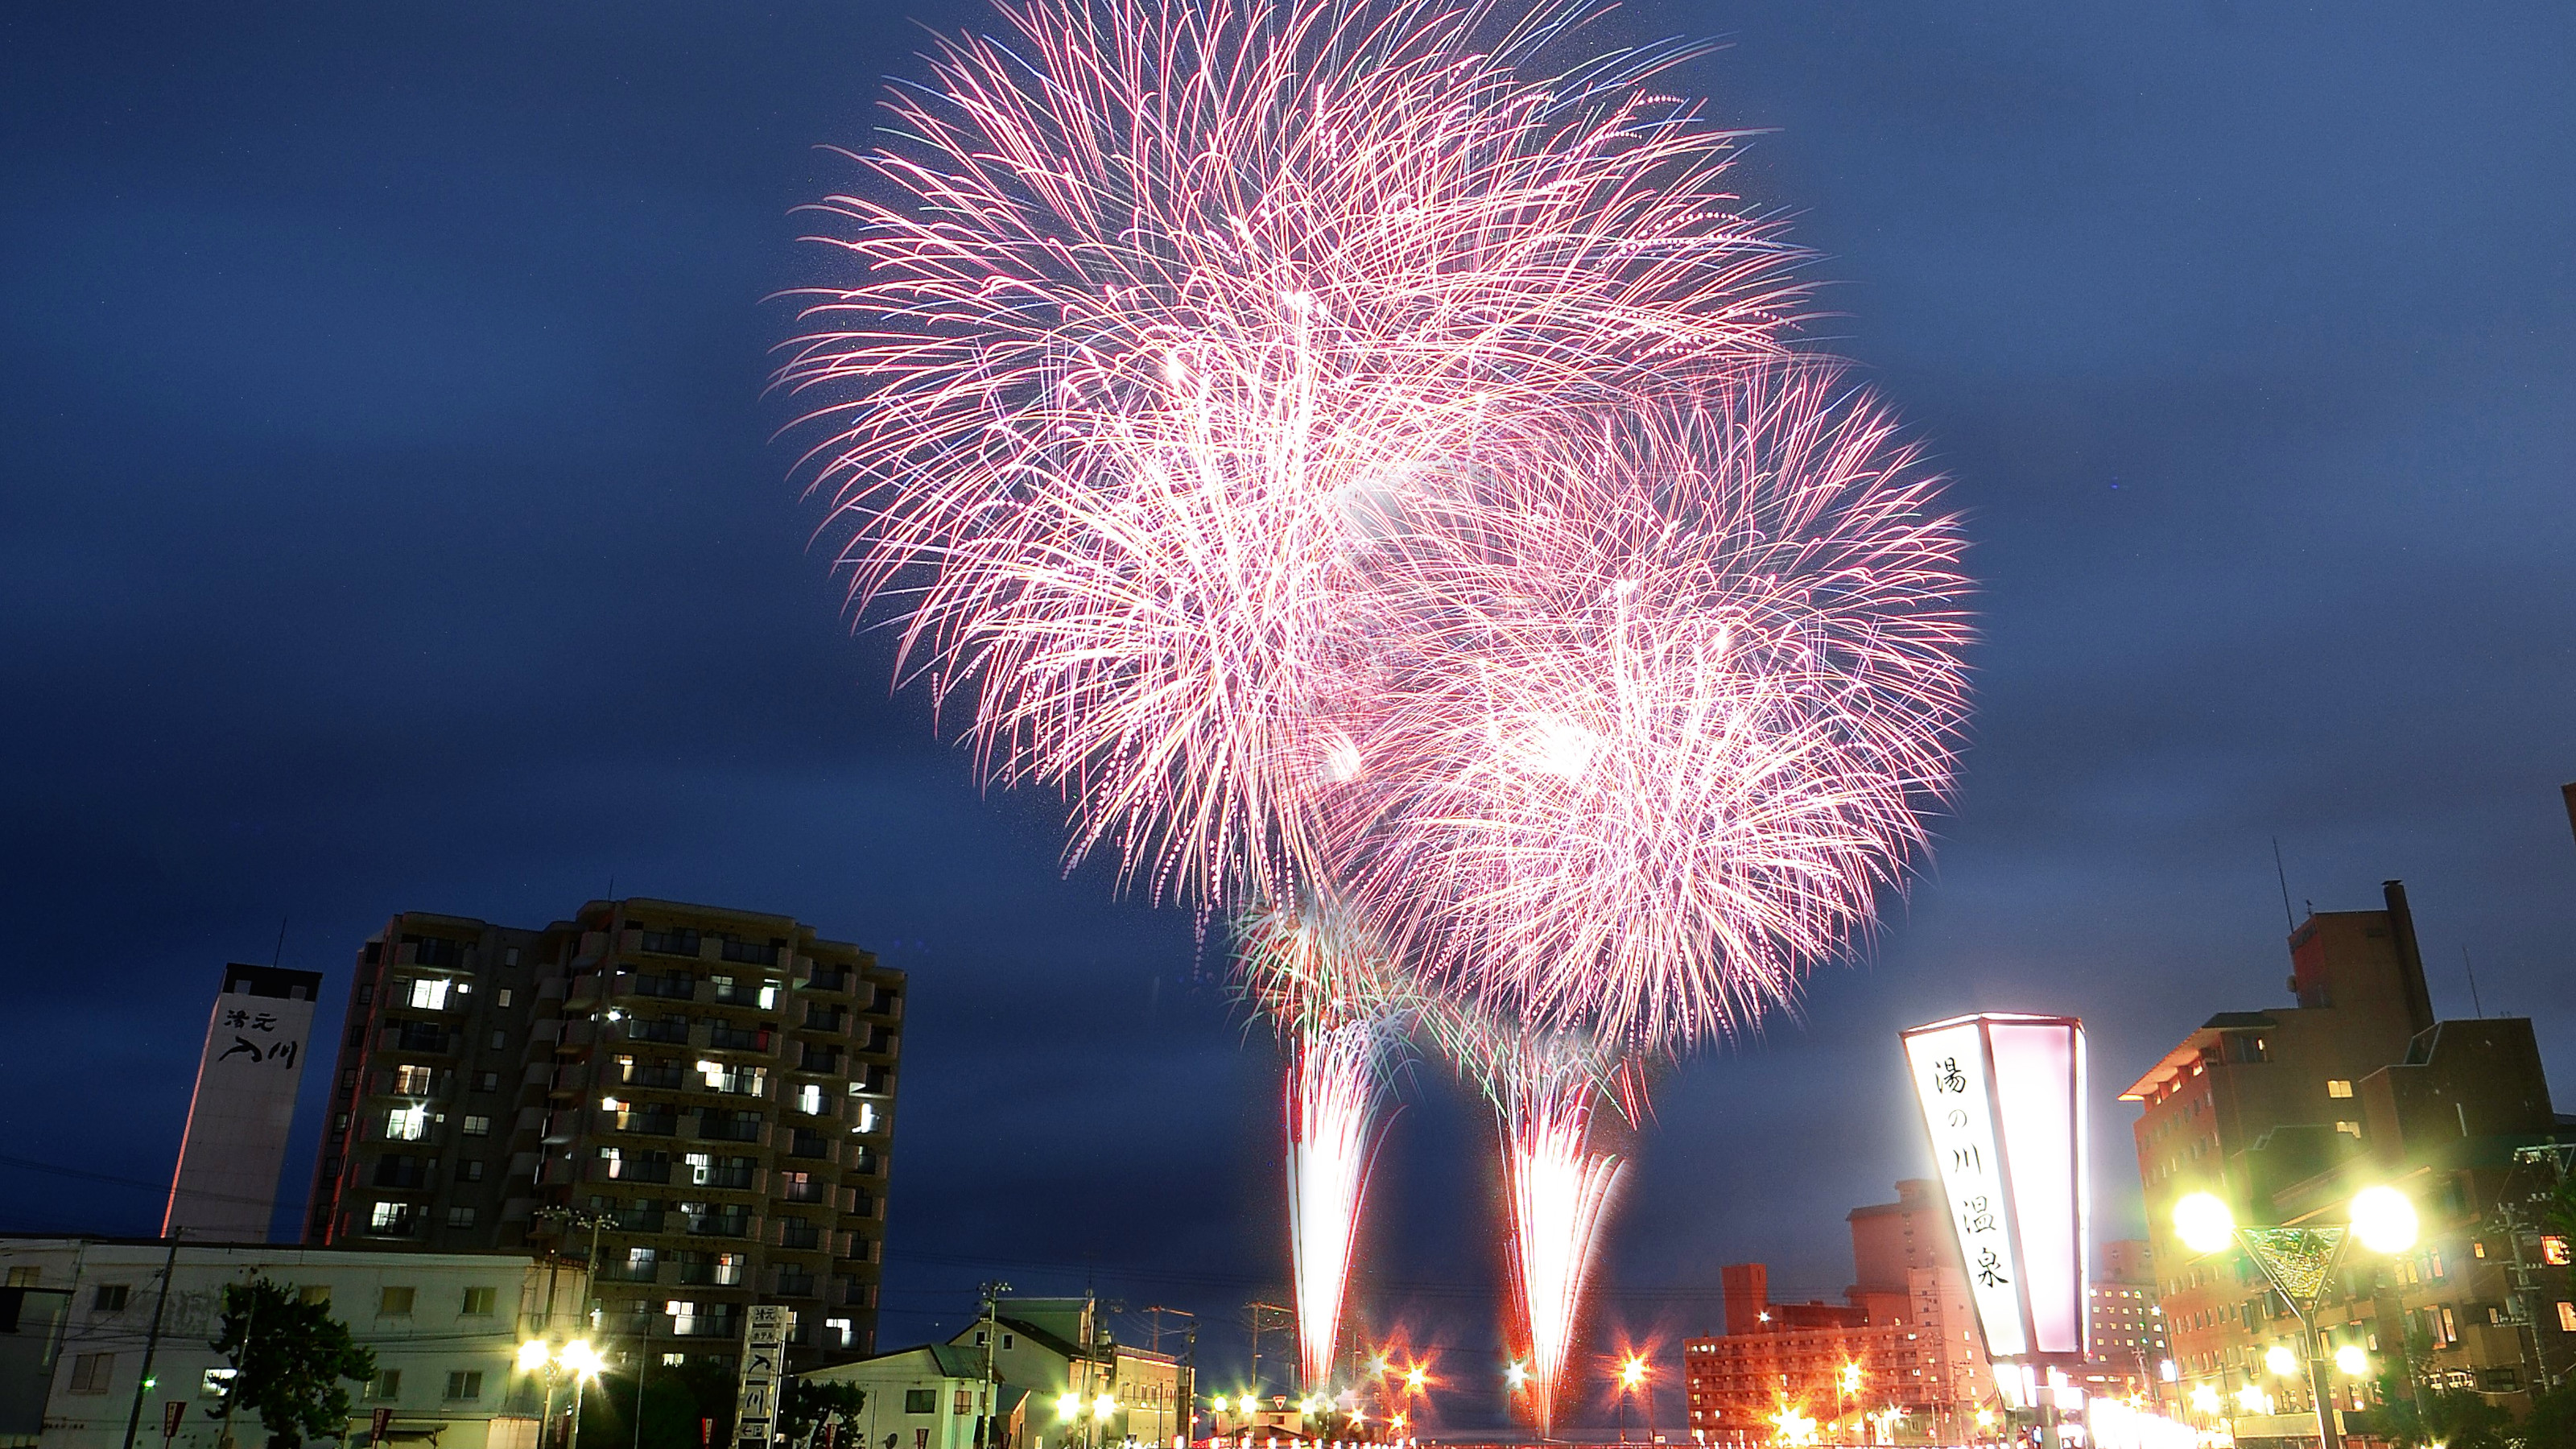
[2299, 1262]
[1516, 1375]
[2353, 1360]
[1069, 1405]
[2383, 1219]
[1632, 1373]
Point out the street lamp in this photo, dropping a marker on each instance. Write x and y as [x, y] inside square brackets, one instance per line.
[576, 1358]
[1632, 1377]
[2298, 1262]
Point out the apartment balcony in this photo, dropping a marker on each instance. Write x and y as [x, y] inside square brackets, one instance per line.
[669, 1030]
[708, 1325]
[825, 1060]
[727, 1127]
[720, 1225]
[670, 943]
[642, 1124]
[755, 953]
[819, 1017]
[800, 1233]
[802, 1143]
[796, 1283]
[835, 979]
[724, 1036]
[656, 1168]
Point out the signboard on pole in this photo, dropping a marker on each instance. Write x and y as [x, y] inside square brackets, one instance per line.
[172, 1413]
[764, 1354]
[2003, 1102]
[383, 1421]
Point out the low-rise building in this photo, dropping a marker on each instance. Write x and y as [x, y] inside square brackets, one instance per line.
[445, 1329]
[1903, 1352]
[1061, 1376]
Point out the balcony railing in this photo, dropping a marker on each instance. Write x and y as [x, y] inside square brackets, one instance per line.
[819, 1017]
[809, 1144]
[630, 1271]
[422, 1036]
[670, 1029]
[818, 1058]
[835, 979]
[750, 951]
[698, 1270]
[647, 1124]
[672, 986]
[723, 1127]
[803, 1189]
[730, 1176]
[708, 1325]
[671, 943]
[639, 1220]
[792, 1284]
[798, 1233]
[724, 1037]
[721, 1225]
[639, 1169]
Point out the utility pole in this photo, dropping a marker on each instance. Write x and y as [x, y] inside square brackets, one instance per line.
[152, 1340]
[992, 1293]
[1257, 1310]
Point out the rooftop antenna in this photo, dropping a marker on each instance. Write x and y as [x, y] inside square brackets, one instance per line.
[2474, 1003]
[280, 953]
[2284, 874]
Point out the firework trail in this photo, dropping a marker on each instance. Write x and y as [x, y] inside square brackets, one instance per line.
[1342, 1010]
[1156, 300]
[1558, 1190]
[1557, 1186]
[1676, 698]
[1334, 1085]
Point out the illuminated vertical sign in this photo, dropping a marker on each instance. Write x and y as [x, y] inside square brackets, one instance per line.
[764, 1357]
[225, 1188]
[2003, 1104]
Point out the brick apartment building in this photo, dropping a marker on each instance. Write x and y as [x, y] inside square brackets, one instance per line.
[1905, 1338]
[2285, 1113]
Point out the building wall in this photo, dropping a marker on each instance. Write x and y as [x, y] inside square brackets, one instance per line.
[718, 1084]
[914, 1399]
[451, 1358]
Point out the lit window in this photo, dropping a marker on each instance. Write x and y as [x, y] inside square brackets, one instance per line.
[809, 1099]
[867, 1119]
[2566, 1316]
[407, 1124]
[503, 997]
[412, 1081]
[768, 995]
[2554, 1251]
[478, 1126]
[428, 995]
[839, 1328]
[2353, 1128]
[2338, 1087]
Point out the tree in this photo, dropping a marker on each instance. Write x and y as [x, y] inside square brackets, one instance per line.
[2456, 1418]
[807, 1402]
[2552, 1424]
[289, 1358]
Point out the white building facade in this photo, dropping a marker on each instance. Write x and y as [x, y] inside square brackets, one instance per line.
[445, 1329]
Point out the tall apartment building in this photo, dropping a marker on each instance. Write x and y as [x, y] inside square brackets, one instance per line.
[1906, 1340]
[2285, 1113]
[713, 1089]
[2255, 1101]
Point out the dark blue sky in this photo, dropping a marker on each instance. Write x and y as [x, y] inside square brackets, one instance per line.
[387, 521]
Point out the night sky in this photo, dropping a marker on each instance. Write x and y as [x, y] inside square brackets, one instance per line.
[389, 521]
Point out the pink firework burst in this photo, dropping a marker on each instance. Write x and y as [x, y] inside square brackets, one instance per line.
[1154, 299]
[1675, 704]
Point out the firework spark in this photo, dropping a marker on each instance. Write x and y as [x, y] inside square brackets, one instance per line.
[1159, 299]
[1677, 698]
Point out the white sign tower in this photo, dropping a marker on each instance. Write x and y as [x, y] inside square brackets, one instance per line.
[226, 1187]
